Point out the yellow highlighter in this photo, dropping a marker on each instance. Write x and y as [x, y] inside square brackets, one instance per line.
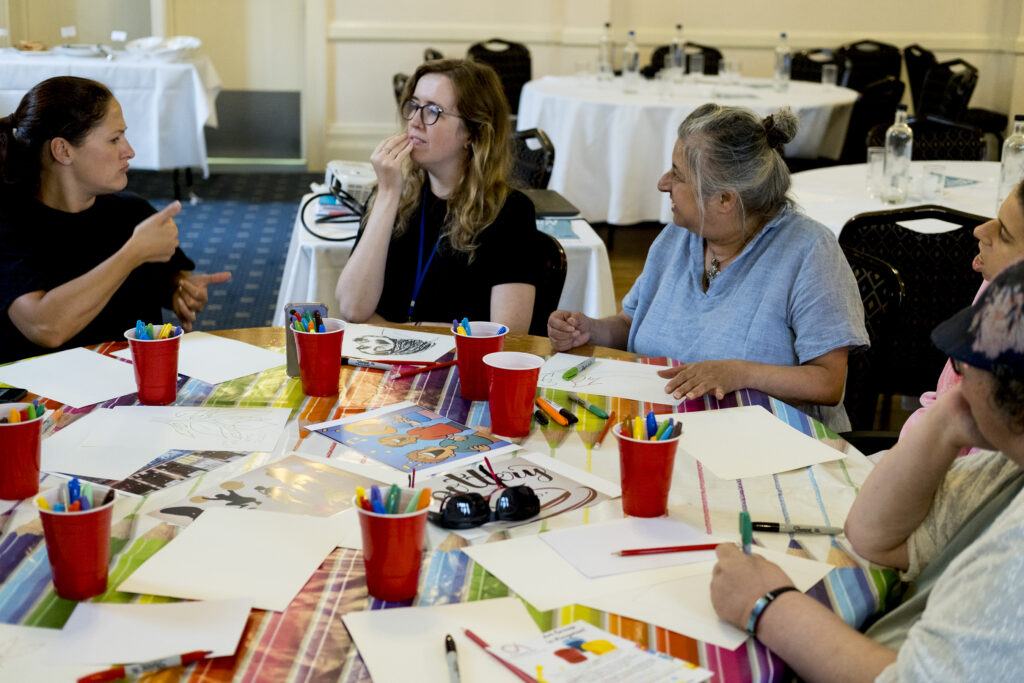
[638, 428]
[166, 330]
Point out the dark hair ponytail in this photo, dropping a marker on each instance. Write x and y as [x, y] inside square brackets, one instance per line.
[62, 107]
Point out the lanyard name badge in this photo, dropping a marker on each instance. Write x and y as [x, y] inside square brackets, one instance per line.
[421, 270]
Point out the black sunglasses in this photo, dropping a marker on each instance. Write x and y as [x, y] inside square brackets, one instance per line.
[468, 510]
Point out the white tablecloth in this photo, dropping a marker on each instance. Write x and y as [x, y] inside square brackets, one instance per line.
[165, 104]
[611, 148]
[836, 194]
[313, 265]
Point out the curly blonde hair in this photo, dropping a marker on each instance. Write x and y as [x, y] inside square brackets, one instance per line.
[479, 196]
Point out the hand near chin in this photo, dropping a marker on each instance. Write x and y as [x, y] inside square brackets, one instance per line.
[568, 329]
[387, 160]
[715, 377]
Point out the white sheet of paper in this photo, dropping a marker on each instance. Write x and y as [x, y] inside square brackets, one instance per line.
[213, 359]
[407, 643]
[591, 548]
[134, 435]
[262, 557]
[736, 443]
[373, 342]
[25, 656]
[76, 377]
[539, 575]
[607, 377]
[63, 451]
[101, 633]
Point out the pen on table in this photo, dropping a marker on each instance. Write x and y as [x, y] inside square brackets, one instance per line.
[587, 405]
[119, 672]
[578, 368]
[564, 412]
[604, 432]
[666, 549]
[746, 532]
[551, 410]
[360, 363]
[425, 368]
[453, 659]
[777, 528]
[520, 674]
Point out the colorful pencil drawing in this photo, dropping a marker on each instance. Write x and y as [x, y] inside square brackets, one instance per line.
[557, 493]
[380, 343]
[409, 437]
[293, 484]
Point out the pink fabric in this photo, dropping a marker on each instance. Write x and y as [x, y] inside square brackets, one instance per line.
[947, 380]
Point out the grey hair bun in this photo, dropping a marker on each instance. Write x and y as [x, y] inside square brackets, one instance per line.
[780, 127]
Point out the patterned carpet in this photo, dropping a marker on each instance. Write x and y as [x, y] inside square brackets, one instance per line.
[242, 223]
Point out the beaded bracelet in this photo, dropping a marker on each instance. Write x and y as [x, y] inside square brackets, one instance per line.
[760, 606]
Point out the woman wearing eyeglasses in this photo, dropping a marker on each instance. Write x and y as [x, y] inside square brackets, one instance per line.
[446, 237]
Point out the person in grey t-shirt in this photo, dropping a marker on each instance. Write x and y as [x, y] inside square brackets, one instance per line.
[953, 525]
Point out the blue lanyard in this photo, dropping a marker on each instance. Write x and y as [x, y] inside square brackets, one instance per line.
[421, 270]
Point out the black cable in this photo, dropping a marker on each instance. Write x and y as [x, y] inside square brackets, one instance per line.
[357, 208]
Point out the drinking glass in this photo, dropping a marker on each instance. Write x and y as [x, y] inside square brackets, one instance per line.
[875, 171]
[829, 75]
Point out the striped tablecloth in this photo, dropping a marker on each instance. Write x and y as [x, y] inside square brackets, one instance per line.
[308, 642]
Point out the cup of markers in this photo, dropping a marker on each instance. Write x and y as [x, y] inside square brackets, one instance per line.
[473, 341]
[392, 522]
[21, 426]
[155, 359]
[76, 525]
[318, 348]
[647, 454]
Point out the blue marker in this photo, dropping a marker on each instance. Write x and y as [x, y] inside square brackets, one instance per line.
[140, 330]
[667, 434]
[465, 324]
[652, 424]
[375, 501]
[177, 330]
[74, 490]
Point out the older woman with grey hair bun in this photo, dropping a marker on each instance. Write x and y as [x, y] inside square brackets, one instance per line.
[741, 287]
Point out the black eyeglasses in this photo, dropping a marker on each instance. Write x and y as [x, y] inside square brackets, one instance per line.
[468, 510]
[429, 113]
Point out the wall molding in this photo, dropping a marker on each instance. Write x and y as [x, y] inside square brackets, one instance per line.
[652, 36]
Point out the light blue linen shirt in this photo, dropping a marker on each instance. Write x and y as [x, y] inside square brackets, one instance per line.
[788, 298]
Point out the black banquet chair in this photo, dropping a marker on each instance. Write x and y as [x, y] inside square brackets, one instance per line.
[882, 292]
[512, 63]
[875, 106]
[549, 291]
[533, 157]
[938, 280]
[807, 64]
[871, 61]
[937, 140]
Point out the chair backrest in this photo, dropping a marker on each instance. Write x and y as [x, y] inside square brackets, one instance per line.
[918, 61]
[550, 289]
[937, 140]
[882, 292]
[512, 63]
[533, 157]
[871, 61]
[938, 281]
[430, 54]
[657, 62]
[806, 65]
[946, 90]
[398, 82]
[874, 106]
[712, 57]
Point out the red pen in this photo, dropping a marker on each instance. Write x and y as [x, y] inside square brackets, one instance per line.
[425, 368]
[667, 549]
[136, 669]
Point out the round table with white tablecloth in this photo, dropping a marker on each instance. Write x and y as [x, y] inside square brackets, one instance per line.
[836, 194]
[611, 147]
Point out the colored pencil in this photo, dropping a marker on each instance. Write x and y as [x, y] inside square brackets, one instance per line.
[666, 549]
[425, 368]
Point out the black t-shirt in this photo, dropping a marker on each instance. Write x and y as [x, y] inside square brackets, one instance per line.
[43, 248]
[453, 287]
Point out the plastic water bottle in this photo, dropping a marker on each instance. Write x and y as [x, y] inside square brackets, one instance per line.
[678, 52]
[899, 144]
[630, 65]
[606, 54]
[783, 64]
[1012, 170]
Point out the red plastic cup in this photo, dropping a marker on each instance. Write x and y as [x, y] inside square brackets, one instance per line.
[19, 455]
[392, 551]
[156, 368]
[646, 468]
[320, 358]
[487, 338]
[78, 545]
[512, 379]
